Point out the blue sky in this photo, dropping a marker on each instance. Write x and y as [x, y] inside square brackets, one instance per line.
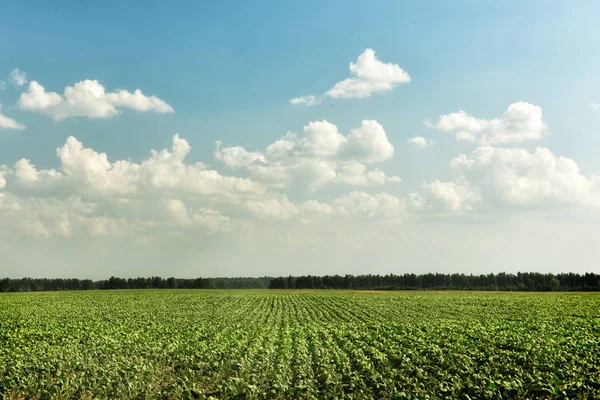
[229, 71]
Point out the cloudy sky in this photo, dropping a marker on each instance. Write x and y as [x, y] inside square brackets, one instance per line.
[315, 137]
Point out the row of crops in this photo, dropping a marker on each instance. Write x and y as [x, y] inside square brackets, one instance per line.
[281, 345]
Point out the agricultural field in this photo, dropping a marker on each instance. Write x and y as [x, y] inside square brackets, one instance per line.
[299, 344]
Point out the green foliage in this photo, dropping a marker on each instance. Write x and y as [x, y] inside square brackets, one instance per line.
[526, 281]
[292, 344]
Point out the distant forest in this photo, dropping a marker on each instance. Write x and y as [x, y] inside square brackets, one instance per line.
[501, 281]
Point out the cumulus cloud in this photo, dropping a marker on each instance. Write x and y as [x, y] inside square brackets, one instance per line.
[420, 142]
[319, 156]
[458, 196]
[178, 211]
[209, 220]
[26, 174]
[309, 100]
[88, 99]
[90, 174]
[90, 194]
[518, 177]
[163, 170]
[363, 204]
[9, 123]
[237, 157]
[595, 106]
[163, 194]
[316, 208]
[357, 204]
[322, 138]
[42, 218]
[87, 193]
[369, 76]
[356, 174]
[368, 143]
[213, 221]
[18, 78]
[505, 178]
[276, 207]
[521, 122]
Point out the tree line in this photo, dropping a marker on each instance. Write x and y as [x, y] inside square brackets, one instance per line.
[155, 282]
[505, 282]
[502, 281]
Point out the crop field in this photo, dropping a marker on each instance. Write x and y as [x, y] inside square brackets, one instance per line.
[299, 344]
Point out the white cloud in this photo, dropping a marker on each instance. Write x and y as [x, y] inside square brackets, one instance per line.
[90, 195]
[27, 175]
[315, 207]
[518, 177]
[455, 196]
[504, 179]
[420, 142]
[9, 123]
[90, 174]
[595, 106]
[369, 76]
[213, 221]
[309, 100]
[237, 157]
[320, 156]
[209, 220]
[89, 99]
[275, 207]
[178, 211]
[70, 217]
[416, 202]
[369, 143]
[2, 85]
[310, 173]
[363, 204]
[521, 122]
[357, 204]
[322, 138]
[356, 174]
[18, 78]
[165, 207]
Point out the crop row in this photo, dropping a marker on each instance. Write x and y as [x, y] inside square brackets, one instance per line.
[280, 345]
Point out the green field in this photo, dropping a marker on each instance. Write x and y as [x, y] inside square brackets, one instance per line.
[299, 344]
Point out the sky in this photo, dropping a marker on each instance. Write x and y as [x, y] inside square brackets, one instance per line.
[320, 137]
